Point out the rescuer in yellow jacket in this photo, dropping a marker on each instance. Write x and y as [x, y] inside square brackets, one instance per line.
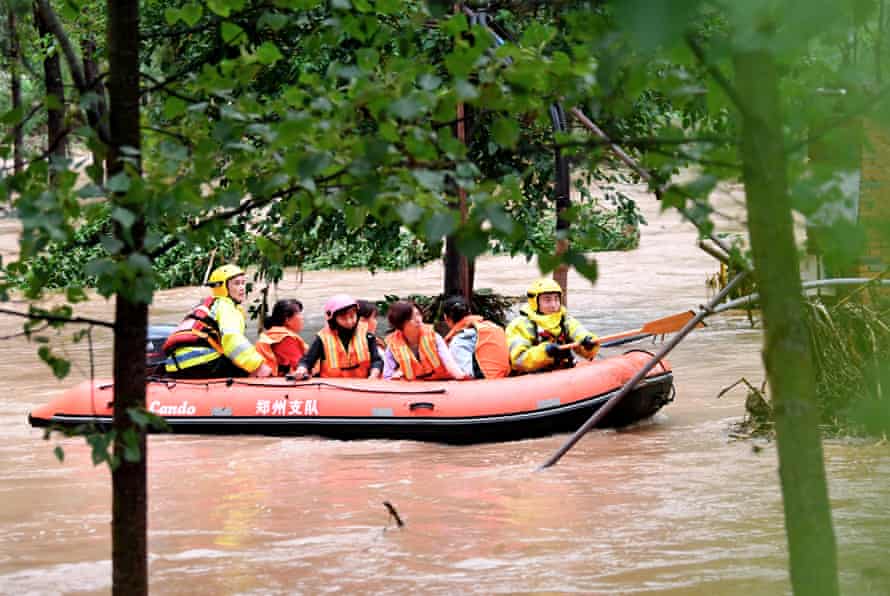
[210, 342]
[534, 338]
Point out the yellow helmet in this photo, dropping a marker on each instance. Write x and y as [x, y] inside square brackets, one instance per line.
[544, 285]
[220, 276]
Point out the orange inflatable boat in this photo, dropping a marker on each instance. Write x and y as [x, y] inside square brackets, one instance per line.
[444, 411]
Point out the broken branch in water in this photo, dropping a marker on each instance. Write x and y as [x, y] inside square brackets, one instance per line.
[393, 513]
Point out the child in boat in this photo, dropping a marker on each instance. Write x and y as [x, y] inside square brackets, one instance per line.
[279, 343]
[479, 347]
[414, 351]
[544, 335]
[343, 347]
[367, 314]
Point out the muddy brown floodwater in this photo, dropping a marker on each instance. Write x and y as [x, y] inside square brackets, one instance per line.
[671, 506]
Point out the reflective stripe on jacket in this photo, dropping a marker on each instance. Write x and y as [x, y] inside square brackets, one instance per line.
[269, 338]
[353, 361]
[492, 355]
[428, 367]
[529, 334]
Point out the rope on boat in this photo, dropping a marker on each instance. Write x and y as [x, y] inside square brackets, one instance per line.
[228, 382]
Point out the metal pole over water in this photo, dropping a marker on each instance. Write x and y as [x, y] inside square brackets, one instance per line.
[613, 401]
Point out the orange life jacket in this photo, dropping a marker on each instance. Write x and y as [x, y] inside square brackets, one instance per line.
[269, 338]
[491, 351]
[198, 328]
[339, 362]
[429, 367]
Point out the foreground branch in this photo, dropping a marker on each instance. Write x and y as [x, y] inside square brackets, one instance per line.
[56, 318]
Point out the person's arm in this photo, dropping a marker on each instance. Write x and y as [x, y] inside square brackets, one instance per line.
[525, 356]
[448, 360]
[463, 347]
[376, 360]
[390, 366]
[316, 351]
[236, 347]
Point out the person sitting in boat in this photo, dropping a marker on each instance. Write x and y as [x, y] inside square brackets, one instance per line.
[210, 342]
[415, 352]
[279, 343]
[343, 347]
[367, 314]
[479, 347]
[544, 336]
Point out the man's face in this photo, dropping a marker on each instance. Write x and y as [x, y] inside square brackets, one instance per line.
[549, 303]
[237, 287]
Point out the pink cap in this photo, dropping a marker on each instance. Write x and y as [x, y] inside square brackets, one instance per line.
[337, 303]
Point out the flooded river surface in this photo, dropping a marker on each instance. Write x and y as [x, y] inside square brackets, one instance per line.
[671, 506]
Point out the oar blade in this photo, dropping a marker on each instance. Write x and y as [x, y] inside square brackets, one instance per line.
[670, 324]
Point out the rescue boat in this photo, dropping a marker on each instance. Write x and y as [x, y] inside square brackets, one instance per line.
[459, 412]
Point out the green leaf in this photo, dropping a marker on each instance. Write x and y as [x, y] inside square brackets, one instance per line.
[273, 20]
[409, 211]
[59, 453]
[429, 82]
[472, 242]
[100, 443]
[171, 15]
[59, 366]
[124, 217]
[130, 439]
[221, 7]
[120, 182]
[440, 224]
[434, 181]
[455, 25]
[268, 53]
[174, 107]
[654, 23]
[506, 132]
[586, 267]
[406, 108]
[231, 32]
[191, 13]
[75, 294]
[367, 58]
[465, 90]
[53, 103]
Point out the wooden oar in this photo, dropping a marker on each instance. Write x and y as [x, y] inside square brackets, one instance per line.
[663, 326]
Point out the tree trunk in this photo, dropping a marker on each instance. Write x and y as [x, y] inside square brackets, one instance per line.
[15, 88]
[786, 352]
[56, 141]
[459, 271]
[130, 503]
[562, 200]
[91, 75]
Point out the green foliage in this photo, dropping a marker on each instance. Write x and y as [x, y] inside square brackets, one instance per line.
[851, 348]
[101, 441]
[850, 342]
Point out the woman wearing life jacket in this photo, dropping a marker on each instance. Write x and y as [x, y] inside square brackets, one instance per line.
[534, 338]
[367, 314]
[279, 343]
[479, 347]
[343, 347]
[210, 342]
[414, 351]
